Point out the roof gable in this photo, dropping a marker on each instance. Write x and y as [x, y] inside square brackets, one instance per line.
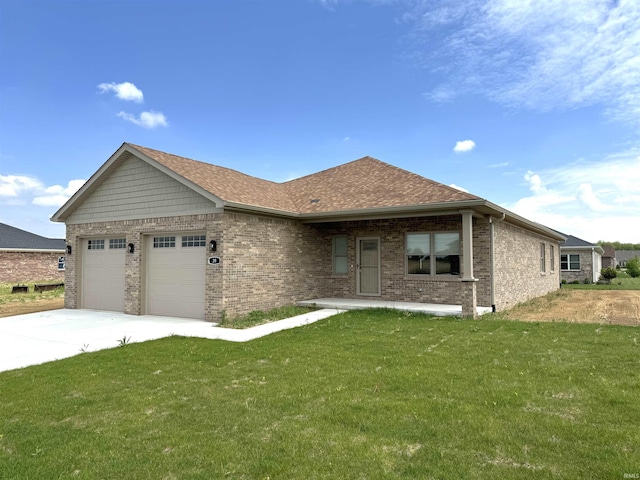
[368, 183]
[16, 239]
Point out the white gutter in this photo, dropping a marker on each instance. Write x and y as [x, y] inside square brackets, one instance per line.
[492, 265]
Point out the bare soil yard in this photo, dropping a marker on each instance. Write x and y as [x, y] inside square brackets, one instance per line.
[18, 305]
[619, 307]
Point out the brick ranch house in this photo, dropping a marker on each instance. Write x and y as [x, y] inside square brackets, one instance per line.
[154, 233]
[580, 260]
[25, 256]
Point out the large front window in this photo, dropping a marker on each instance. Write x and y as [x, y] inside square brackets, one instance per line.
[570, 262]
[433, 253]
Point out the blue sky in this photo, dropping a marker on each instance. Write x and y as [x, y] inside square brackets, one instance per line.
[534, 106]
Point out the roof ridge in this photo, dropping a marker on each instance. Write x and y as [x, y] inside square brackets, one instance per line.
[199, 161]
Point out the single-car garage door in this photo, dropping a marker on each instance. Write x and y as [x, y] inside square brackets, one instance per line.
[103, 262]
[175, 275]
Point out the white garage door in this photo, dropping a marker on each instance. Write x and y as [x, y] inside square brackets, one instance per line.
[175, 275]
[103, 262]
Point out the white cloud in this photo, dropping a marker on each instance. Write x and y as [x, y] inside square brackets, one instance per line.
[14, 185]
[57, 195]
[543, 55]
[146, 119]
[124, 91]
[457, 187]
[464, 146]
[499, 165]
[24, 190]
[593, 201]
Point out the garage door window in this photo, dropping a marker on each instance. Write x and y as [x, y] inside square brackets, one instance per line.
[164, 242]
[117, 243]
[193, 241]
[95, 245]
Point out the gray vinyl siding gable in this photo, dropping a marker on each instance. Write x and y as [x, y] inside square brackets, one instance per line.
[136, 190]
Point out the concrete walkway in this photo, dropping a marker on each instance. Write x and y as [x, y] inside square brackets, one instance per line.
[42, 337]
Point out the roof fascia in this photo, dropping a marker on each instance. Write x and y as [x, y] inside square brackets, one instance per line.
[242, 207]
[597, 248]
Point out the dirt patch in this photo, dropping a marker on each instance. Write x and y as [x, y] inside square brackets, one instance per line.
[18, 307]
[619, 307]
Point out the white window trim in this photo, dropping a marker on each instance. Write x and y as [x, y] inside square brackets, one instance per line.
[569, 269]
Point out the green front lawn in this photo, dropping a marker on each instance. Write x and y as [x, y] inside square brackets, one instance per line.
[366, 394]
[622, 282]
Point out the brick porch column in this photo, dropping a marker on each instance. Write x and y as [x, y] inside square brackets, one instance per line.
[468, 285]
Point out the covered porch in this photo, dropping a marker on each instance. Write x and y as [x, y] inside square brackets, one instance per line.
[360, 304]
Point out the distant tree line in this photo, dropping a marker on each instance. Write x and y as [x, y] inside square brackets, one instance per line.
[619, 246]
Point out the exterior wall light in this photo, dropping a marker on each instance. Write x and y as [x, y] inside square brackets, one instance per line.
[131, 247]
[213, 245]
[69, 249]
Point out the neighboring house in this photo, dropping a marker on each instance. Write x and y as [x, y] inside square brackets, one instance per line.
[609, 257]
[580, 260]
[623, 256]
[27, 257]
[154, 233]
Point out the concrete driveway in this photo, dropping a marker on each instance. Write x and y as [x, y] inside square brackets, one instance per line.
[41, 337]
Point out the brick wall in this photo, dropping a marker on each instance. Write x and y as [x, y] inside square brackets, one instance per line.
[395, 284]
[586, 267]
[518, 275]
[24, 267]
[268, 262]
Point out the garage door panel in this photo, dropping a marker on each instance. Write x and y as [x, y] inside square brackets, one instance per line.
[103, 276]
[175, 277]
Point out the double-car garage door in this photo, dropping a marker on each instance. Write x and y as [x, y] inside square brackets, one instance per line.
[173, 274]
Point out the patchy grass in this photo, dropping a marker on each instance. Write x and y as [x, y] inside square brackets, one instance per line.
[622, 282]
[19, 303]
[365, 394]
[258, 317]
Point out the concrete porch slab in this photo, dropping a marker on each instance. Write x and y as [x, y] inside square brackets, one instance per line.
[359, 304]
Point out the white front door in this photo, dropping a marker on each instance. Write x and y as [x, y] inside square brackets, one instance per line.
[175, 275]
[368, 261]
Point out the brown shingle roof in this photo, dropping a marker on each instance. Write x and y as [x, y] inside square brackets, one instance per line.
[225, 183]
[366, 183]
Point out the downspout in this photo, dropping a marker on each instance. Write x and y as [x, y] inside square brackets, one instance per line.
[492, 267]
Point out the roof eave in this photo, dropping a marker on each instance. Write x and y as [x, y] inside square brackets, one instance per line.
[597, 248]
[243, 207]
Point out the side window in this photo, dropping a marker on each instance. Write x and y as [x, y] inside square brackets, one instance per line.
[340, 257]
